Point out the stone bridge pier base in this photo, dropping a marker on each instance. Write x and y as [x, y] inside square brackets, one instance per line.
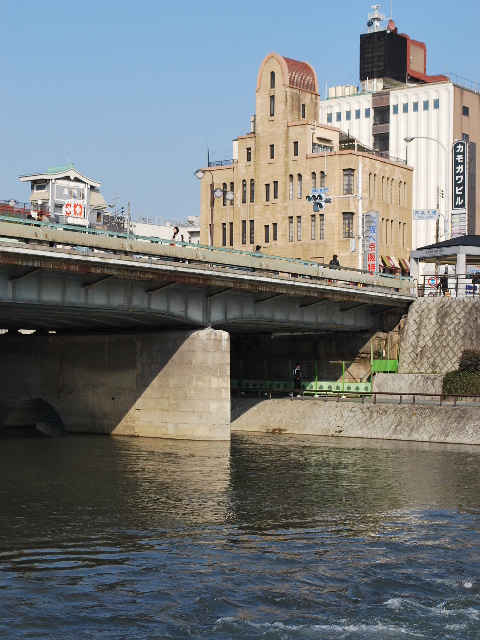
[168, 385]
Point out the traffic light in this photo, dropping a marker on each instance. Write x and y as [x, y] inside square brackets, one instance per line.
[319, 201]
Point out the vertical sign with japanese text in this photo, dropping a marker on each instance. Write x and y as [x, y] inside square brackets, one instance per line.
[459, 188]
[459, 199]
[370, 241]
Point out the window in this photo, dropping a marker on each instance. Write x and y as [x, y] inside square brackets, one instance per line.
[244, 191]
[290, 187]
[338, 116]
[436, 103]
[329, 118]
[252, 231]
[357, 114]
[40, 186]
[405, 107]
[299, 228]
[322, 178]
[224, 234]
[415, 107]
[465, 111]
[272, 106]
[314, 180]
[232, 189]
[244, 232]
[252, 190]
[272, 151]
[370, 186]
[230, 224]
[395, 109]
[249, 154]
[272, 79]
[425, 105]
[275, 189]
[347, 225]
[465, 137]
[267, 233]
[290, 228]
[267, 192]
[322, 227]
[313, 224]
[275, 231]
[348, 175]
[224, 194]
[367, 112]
[299, 185]
[303, 110]
[348, 115]
[295, 148]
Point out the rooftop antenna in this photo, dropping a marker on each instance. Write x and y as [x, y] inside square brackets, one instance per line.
[374, 19]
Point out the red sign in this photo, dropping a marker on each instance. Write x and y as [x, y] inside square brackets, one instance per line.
[74, 208]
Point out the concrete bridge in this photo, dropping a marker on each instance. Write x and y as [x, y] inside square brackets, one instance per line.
[156, 361]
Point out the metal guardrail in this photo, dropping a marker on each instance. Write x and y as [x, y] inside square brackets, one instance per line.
[151, 247]
[449, 286]
[434, 399]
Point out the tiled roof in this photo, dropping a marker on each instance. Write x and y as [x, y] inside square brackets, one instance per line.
[300, 75]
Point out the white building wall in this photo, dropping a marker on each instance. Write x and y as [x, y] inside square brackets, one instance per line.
[426, 157]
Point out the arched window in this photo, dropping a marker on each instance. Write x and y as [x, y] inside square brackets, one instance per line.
[272, 79]
[272, 105]
[290, 187]
[299, 185]
[252, 190]
[224, 199]
[314, 180]
[244, 191]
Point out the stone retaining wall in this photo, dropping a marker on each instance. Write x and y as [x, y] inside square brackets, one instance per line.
[436, 332]
[353, 420]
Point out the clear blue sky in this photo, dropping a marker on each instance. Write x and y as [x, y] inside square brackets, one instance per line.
[132, 92]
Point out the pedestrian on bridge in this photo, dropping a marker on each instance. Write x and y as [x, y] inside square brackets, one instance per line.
[334, 263]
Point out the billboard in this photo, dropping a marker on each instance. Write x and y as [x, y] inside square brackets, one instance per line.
[459, 191]
[370, 241]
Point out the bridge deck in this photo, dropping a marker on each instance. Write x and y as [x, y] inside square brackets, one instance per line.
[55, 277]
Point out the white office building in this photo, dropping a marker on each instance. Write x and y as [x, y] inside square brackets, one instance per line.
[401, 112]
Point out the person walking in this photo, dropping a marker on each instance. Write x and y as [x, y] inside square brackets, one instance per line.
[297, 379]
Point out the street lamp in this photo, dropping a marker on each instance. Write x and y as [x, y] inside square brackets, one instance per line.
[446, 194]
[214, 193]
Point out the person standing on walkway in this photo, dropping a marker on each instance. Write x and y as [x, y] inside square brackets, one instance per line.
[297, 379]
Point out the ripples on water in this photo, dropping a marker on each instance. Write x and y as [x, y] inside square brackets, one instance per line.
[268, 537]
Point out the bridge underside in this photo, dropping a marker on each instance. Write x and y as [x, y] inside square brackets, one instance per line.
[36, 298]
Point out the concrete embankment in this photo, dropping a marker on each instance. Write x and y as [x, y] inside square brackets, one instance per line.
[446, 424]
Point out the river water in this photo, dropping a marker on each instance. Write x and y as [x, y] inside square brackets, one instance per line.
[269, 536]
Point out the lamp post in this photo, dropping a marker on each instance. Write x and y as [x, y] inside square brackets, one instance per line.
[446, 221]
[214, 193]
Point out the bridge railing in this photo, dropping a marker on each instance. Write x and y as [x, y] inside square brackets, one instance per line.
[455, 285]
[187, 254]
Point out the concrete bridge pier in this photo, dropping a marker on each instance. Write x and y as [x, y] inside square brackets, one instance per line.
[173, 384]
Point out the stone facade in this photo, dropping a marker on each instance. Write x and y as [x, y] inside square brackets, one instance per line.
[173, 384]
[436, 332]
[282, 159]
